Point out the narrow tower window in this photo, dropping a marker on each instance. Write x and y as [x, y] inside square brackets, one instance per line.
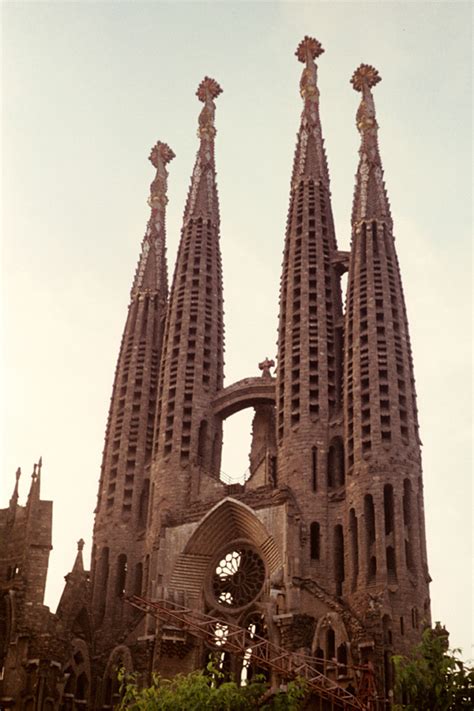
[138, 580]
[391, 563]
[388, 507]
[314, 468]
[354, 539]
[335, 463]
[102, 580]
[369, 515]
[121, 578]
[143, 505]
[339, 557]
[315, 540]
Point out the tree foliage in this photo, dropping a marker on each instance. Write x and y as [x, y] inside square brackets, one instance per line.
[207, 690]
[432, 678]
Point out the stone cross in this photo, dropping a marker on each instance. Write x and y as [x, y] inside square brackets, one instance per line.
[265, 366]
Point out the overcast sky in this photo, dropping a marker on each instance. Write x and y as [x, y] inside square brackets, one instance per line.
[87, 89]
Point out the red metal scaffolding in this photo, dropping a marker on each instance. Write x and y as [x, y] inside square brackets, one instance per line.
[225, 636]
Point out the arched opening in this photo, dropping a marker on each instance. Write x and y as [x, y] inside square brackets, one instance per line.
[119, 658]
[250, 433]
[237, 443]
[228, 521]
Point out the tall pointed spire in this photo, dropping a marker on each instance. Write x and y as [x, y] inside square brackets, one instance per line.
[202, 197]
[376, 323]
[309, 357]
[380, 415]
[310, 158]
[124, 484]
[193, 355]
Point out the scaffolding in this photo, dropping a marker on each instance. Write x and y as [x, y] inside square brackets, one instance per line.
[227, 637]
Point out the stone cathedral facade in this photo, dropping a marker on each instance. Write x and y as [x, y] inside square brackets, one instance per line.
[322, 549]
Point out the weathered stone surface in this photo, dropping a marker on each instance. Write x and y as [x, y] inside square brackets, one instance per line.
[330, 517]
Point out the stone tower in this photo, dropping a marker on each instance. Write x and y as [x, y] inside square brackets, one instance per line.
[321, 550]
[123, 497]
[384, 493]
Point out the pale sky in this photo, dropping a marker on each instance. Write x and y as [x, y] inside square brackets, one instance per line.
[87, 89]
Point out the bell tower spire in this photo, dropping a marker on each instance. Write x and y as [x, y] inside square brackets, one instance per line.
[310, 326]
[188, 437]
[122, 502]
[385, 495]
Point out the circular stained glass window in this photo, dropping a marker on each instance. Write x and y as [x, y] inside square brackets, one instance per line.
[238, 577]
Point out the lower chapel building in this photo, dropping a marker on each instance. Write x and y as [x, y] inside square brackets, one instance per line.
[322, 549]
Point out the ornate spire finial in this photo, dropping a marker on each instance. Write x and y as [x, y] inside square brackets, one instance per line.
[363, 79]
[365, 76]
[80, 544]
[307, 51]
[160, 153]
[207, 91]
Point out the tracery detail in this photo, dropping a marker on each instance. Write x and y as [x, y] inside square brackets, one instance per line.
[238, 577]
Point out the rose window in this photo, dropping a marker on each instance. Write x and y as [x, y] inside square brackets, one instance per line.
[238, 577]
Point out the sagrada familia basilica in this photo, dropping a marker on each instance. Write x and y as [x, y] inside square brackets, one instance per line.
[320, 554]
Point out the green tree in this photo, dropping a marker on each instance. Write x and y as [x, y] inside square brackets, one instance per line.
[432, 678]
[207, 690]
